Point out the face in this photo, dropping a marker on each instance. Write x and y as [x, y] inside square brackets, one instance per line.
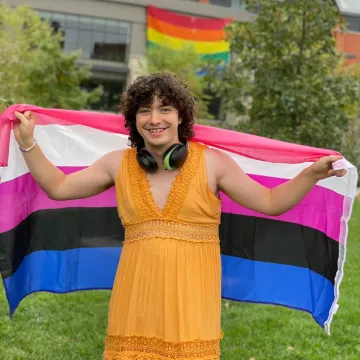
[158, 124]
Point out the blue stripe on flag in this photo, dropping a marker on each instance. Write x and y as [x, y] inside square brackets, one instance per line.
[62, 272]
[295, 287]
[242, 280]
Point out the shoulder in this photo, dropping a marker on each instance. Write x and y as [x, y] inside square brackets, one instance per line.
[215, 160]
[114, 156]
[216, 156]
[219, 163]
[112, 161]
[210, 152]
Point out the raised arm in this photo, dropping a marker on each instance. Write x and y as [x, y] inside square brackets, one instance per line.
[243, 190]
[58, 186]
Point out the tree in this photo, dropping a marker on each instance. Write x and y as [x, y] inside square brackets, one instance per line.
[351, 141]
[284, 76]
[186, 64]
[33, 67]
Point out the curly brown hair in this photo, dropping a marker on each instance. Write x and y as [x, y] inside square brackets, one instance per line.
[171, 90]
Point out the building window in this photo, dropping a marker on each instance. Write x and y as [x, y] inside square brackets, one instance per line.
[110, 99]
[238, 4]
[234, 4]
[98, 38]
[353, 23]
[225, 3]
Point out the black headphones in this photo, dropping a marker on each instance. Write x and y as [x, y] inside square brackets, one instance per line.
[174, 157]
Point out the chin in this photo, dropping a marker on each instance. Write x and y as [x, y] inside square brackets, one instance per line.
[158, 141]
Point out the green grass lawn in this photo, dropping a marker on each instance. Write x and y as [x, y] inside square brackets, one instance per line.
[72, 326]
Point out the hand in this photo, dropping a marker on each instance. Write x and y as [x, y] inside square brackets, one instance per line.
[322, 168]
[24, 130]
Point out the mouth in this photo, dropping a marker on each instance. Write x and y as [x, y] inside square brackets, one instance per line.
[157, 130]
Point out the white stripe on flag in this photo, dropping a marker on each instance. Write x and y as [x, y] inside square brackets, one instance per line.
[75, 145]
[78, 145]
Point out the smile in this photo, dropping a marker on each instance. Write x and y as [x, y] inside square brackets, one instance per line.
[157, 130]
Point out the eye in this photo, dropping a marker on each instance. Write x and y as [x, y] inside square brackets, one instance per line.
[165, 110]
[142, 111]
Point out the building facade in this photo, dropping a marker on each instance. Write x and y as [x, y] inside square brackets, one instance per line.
[112, 36]
[349, 42]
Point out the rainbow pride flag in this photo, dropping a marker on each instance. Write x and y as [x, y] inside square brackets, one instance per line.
[175, 31]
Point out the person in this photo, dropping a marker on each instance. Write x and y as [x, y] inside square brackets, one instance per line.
[166, 297]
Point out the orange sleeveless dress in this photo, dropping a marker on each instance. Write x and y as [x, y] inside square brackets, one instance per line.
[166, 298]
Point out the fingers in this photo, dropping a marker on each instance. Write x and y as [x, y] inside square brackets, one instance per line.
[337, 173]
[333, 158]
[30, 116]
[26, 118]
[21, 117]
[340, 173]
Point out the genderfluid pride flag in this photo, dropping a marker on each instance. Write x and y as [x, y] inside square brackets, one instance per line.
[294, 260]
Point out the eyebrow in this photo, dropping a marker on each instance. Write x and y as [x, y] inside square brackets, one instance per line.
[148, 106]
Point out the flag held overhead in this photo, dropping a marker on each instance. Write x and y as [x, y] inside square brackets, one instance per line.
[294, 260]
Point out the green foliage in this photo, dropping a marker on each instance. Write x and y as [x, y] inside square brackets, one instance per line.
[284, 76]
[4, 104]
[351, 142]
[33, 67]
[185, 64]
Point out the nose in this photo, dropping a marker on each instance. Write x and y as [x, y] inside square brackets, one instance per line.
[155, 117]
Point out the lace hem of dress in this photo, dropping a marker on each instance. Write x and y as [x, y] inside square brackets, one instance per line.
[144, 348]
[132, 355]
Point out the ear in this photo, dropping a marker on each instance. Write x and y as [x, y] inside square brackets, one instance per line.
[180, 121]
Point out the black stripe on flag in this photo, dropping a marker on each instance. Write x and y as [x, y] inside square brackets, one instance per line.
[241, 236]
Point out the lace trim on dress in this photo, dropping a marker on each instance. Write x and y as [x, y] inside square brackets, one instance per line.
[171, 229]
[144, 348]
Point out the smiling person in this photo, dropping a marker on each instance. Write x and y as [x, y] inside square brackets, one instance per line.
[166, 297]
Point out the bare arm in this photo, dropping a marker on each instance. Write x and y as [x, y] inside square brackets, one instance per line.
[84, 183]
[57, 185]
[232, 180]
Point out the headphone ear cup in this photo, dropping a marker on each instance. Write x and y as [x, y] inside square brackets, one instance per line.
[146, 161]
[175, 156]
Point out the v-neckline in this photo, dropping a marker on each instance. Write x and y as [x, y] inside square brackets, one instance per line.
[144, 198]
[150, 196]
[176, 195]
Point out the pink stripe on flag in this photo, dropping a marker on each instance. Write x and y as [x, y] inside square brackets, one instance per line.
[251, 146]
[321, 209]
[22, 196]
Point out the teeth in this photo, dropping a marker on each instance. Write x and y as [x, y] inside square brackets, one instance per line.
[157, 130]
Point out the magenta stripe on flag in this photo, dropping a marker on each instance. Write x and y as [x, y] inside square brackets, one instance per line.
[345, 219]
[22, 196]
[321, 209]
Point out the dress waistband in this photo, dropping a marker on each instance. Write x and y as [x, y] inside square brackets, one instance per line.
[172, 229]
